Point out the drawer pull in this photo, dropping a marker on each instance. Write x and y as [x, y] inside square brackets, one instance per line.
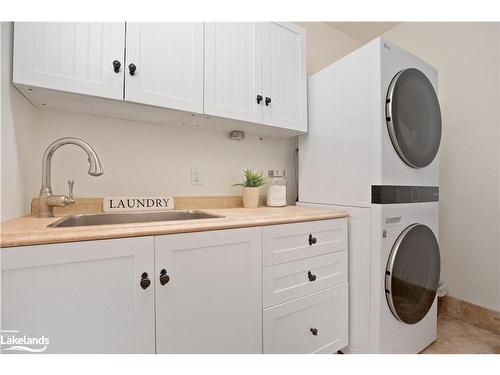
[314, 331]
[312, 240]
[311, 276]
[164, 278]
[145, 282]
[116, 66]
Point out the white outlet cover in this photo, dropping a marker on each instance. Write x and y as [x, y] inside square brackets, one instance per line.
[196, 177]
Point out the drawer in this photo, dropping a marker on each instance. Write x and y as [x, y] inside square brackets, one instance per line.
[317, 323]
[287, 281]
[289, 242]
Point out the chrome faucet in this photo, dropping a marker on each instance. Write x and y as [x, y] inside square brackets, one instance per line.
[47, 201]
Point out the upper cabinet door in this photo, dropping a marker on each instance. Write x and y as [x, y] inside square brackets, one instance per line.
[285, 76]
[233, 70]
[165, 65]
[71, 56]
[209, 292]
[85, 297]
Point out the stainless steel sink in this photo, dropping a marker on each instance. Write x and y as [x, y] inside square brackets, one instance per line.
[127, 218]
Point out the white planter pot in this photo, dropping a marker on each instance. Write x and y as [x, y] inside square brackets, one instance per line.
[251, 197]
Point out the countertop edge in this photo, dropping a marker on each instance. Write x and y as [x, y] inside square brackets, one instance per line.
[44, 237]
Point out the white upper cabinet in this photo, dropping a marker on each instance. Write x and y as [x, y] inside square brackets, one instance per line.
[85, 297]
[168, 61]
[210, 297]
[247, 74]
[76, 57]
[233, 70]
[285, 76]
[257, 72]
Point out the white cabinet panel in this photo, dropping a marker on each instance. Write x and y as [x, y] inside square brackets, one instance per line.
[212, 302]
[85, 297]
[289, 242]
[285, 75]
[169, 65]
[287, 281]
[70, 56]
[233, 70]
[316, 323]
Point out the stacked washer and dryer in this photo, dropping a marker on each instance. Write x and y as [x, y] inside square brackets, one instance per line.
[372, 150]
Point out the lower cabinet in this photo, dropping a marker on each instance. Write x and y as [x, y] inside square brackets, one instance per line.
[316, 323]
[305, 287]
[204, 292]
[84, 297]
[212, 300]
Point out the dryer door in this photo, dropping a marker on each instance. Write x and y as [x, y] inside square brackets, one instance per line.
[412, 274]
[413, 118]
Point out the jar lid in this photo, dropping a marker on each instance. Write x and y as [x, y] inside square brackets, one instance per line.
[275, 173]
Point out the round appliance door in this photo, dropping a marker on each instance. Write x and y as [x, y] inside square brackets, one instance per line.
[412, 274]
[413, 118]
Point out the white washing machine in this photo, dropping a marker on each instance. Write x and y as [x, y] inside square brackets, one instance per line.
[374, 121]
[372, 150]
[394, 268]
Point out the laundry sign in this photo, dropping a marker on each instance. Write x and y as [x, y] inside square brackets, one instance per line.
[122, 204]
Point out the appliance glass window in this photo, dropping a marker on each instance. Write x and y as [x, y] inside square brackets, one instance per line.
[413, 118]
[412, 274]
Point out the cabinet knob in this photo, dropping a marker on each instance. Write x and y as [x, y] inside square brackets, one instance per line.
[267, 101]
[131, 69]
[116, 66]
[259, 99]
[314, 331]
[311, 276]
[164, 278]
[145, 282]
[312, 240]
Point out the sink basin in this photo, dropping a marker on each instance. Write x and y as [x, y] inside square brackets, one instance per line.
[127, 218]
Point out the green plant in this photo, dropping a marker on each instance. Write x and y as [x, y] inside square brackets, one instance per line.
[252, 179]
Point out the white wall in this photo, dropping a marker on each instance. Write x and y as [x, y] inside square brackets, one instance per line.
[17, 118]
[144, 158]
[467, 57]
[325, 45]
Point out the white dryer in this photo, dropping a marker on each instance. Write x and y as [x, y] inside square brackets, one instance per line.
[372, 150]
[374, 121]
[394, 269]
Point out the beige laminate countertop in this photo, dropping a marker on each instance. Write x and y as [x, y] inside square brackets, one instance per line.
[29, 230]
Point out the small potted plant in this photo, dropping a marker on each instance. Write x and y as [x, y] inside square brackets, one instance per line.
[251, 187]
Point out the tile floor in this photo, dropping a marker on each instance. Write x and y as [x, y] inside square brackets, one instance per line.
[459, 337]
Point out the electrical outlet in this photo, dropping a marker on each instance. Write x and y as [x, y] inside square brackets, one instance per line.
[196, 177]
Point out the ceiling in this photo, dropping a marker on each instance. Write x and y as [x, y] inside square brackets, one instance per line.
[363, 32]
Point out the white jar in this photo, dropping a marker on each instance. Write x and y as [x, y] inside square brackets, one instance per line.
[276, 189]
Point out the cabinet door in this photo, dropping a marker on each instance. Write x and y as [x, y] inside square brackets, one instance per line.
[212, 302]
[233, 70]
[285, 76]
[85, 297]
[316, 323]
[70, 56]
[168, 57]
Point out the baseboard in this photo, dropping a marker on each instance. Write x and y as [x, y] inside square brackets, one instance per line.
[482, 317]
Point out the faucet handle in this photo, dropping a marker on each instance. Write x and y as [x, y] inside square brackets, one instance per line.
[70, 201]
